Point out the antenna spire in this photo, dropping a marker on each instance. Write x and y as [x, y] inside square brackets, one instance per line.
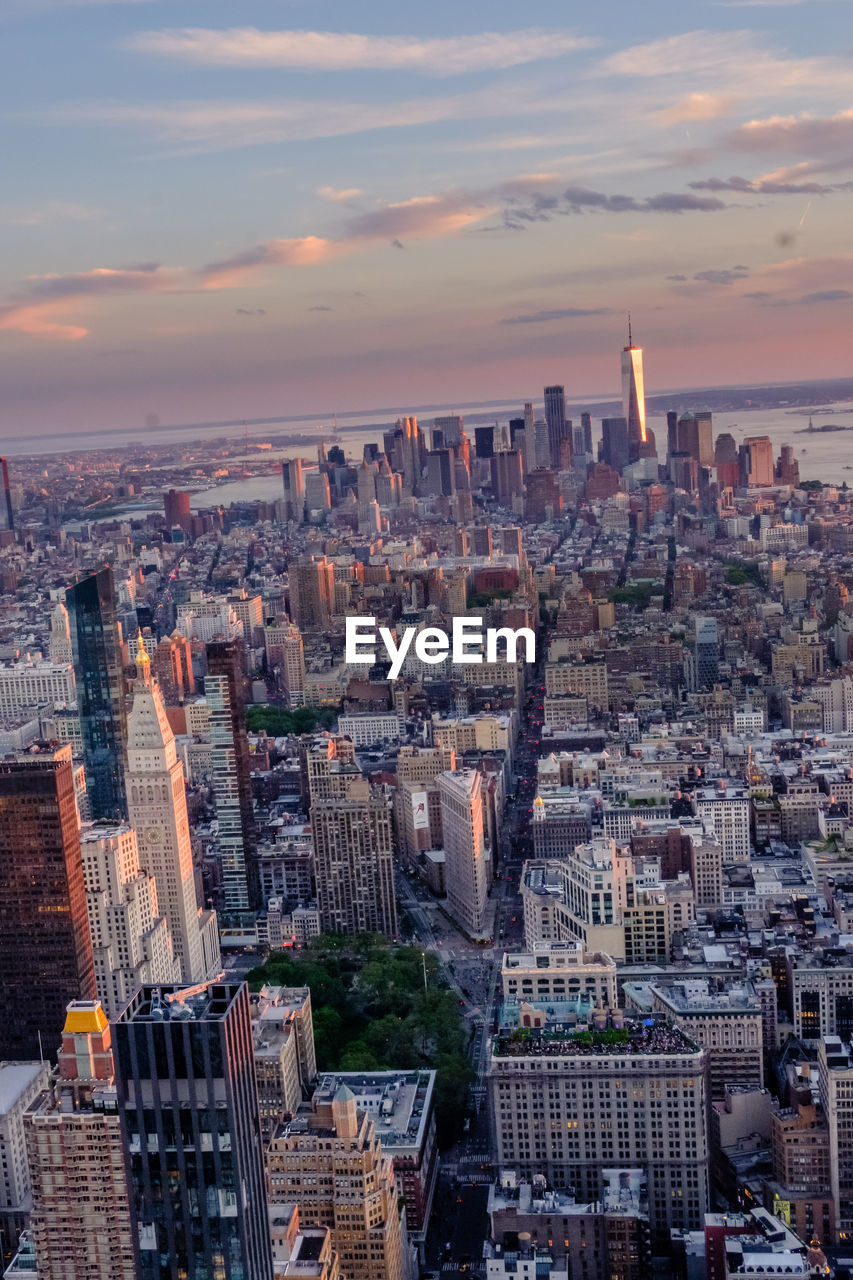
[630, 339]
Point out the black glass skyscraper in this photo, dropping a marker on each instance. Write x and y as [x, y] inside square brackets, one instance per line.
[96, 646]
[185, 1076]
[559, 429]
[7, 515]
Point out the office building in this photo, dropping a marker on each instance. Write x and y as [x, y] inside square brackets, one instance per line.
[45, 950]
[188, 1104]
[331, 1163]
[353, 862]
[559, 428]
[401, 1105]
[633, 398]
[231, 775]
[707, 652]
[26, 685]
[294, 489]
[81, 1210]
[7, 514]
[615, 447]
[20, 1083]
[96, 645]
[559, 973]
[157, 806]
[467, 860]
[131, 944]
[755, 461]
[318, 498]
[484, 442]
[312, 593]
[285, 1060]
[696, 438]
[172, 668]
[176, 504]
[452, 429]
[507, 475]
[728, 1023]
[567, 1106]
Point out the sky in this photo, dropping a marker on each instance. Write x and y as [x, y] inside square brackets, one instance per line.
[243, 208]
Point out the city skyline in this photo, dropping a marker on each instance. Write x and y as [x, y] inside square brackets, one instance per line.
[394, 210]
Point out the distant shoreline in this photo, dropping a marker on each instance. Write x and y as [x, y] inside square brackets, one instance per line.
[824, 430]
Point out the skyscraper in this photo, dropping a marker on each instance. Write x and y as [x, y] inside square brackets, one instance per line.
[755, 457]
[695, 436]
[157, 807]
[707, 652]
[81, 1211]
[7, 515]
[467, 873]
[95, 642]
[45, 950]
[294, 489]
[130, 941]
[353, 861]
[312, 593]
[484, 442]
[586, 424]
[185, 1075]
[559, 429]
[176, 507]
[615, 446]
[633, 396]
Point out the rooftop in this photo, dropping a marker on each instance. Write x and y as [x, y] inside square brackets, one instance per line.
[399, 1102]
[15, 1077]
[207, 1002]
[637, 1037]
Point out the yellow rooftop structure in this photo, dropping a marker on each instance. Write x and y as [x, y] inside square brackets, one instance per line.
[85, 1017]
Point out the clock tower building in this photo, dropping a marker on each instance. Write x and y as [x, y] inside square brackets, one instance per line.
[157, 809]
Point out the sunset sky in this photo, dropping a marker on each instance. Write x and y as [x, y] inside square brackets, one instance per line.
[216, 209]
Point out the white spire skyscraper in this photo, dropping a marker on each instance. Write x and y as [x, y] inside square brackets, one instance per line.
[157, 807]
[633, 395]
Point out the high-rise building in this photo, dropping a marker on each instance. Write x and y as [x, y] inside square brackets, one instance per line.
[157, 807]
[239, 893]
[559, 428]
[726, 461]
[353, 862]
[484, 441]
[20, 1083]
[633, 396]
[81, 1211]
[189, 1113]
[172, 668]
[176, 505]
[696, 437]
[318, 497]
[332, 1164]
[707, 652]
[61, 653]
[312, 593]
[615, 446]
[294, 489]
[567, 1107]
[45, 950]
[96, 645]
[131, 944]
[755, 458]
[451, 427]
[507, 475]
[7, 514]
[586, 425]
[466, 866]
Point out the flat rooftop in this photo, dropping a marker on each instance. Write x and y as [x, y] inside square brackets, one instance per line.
[15, 1077]
[173, 1003]
[639, 1037]
[398, 1102]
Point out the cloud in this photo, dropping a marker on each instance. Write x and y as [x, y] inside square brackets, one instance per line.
[53, 211]
[828, 295]
[806, 134]
[422, 215]
[342, 196]
[339, 51]
[763, 186]
[696, 106]
[581, 198]
[250, 311]
[677, 279]
[397, 244]
[562, 313]
[723, 276]
[321, 308]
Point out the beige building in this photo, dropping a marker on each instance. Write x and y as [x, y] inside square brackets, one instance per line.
[587, 678]
[333, 1167]
[727, 1023]
[285, 1059]
[130, 940]
[467, 865]
[559, 971]
[81, 1221]
[568, 1106]
[353, 863]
